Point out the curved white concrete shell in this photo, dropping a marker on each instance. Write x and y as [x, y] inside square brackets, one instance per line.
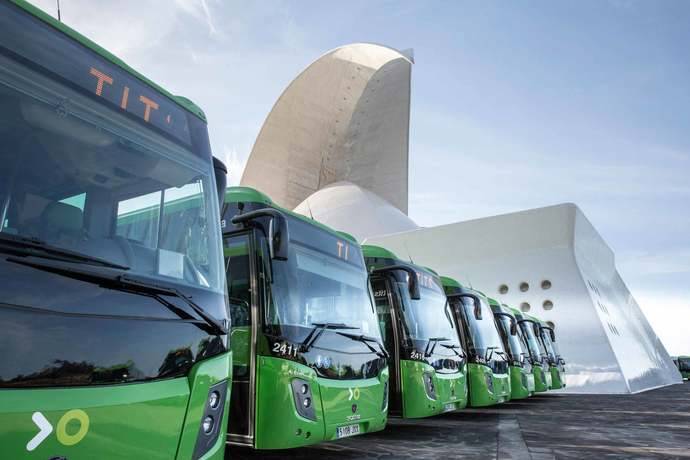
[335, 147]
[553, 263]
[350, 208]
[344, 118]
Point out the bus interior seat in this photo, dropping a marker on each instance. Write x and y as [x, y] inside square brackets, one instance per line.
[61, 221]
[63, 225]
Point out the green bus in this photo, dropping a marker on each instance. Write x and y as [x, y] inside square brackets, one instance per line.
[556, 361]
[530, 328]
[309, 362]
[521, 376]
[488, 375]
[683, 364]
[427, 364]
[115, 320]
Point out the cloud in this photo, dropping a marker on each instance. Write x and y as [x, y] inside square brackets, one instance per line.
[123, 28]
[232, 58]
[670, 261]
[200, 10]
[234, 163]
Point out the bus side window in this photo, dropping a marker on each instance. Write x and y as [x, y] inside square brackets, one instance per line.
[237, 270]
[78, 201]
[137, 219]
[238, 279]
[265, 280]
[383, 311]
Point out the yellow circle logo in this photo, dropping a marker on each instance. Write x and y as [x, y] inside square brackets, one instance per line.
[72, 439]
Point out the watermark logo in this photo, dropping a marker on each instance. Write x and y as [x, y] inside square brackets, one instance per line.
[65, 438]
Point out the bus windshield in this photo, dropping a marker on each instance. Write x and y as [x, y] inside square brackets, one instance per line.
[514, 345]
[482, 333]
[429, 317]
[684, 364]
[548, 344]
[314, 287]
[527, 328]
[80, 177]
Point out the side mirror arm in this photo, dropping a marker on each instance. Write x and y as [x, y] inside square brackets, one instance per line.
[279, 235]
[413, 282]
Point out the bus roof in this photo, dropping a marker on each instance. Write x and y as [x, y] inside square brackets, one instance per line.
[61, 27]
[431, 270]
[241, 194]
[447, 281]
[378, 252]
[346, 235]
[453, 287]
[535, 319]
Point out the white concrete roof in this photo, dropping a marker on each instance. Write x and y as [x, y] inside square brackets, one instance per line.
[345, 117]
[350, 208]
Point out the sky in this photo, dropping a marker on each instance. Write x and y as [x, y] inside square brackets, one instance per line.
[515, 105]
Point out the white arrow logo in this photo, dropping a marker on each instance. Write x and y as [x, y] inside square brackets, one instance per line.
[45, 428]
[352, 394]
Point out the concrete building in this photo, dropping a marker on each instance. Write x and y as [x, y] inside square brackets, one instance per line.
[552, 263]
[344, 118]
[335, 148]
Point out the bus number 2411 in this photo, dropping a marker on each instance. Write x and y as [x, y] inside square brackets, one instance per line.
[285, 349]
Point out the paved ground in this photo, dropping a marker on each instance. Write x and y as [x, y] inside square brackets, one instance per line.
[654, 424]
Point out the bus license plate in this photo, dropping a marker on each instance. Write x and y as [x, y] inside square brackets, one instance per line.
[449, 407]
[347, 430]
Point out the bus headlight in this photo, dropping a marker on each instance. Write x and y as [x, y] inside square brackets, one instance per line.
[213, 400]
[207, 424]
[301, 392]
[429, 385]
[209, 428]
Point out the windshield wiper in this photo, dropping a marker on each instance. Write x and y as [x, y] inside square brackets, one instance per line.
[367, 340]
[39, 248]
[134, 285]
[503, 355]
[489, 353]
[435, 341]
[454, 347]
[316, 332]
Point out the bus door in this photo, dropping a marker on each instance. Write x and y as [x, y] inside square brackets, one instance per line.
[239, 268]
[383, 296]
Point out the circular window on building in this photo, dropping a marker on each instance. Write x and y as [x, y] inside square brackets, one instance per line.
[551, 325]
[503, 289]
[548, 305]
[524, 287]
[546, 284]
[524, 306]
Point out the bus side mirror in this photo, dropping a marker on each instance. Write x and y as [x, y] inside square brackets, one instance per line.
[553, 335]
[476, 305]
[278, 232]
[221, 173]
[278, 237]
[412, 281]
[413, 285]
[513, 327]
